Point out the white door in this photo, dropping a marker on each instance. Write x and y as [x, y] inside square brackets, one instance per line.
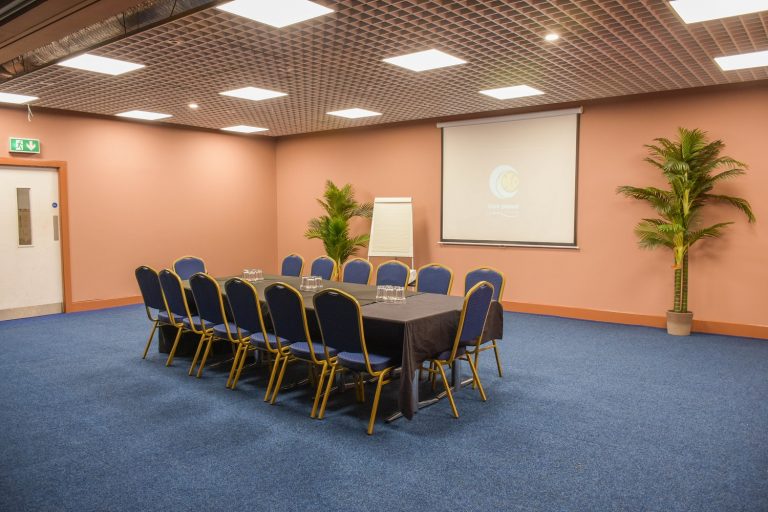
[30, 246]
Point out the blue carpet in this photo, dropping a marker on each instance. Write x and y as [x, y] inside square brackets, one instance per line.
[589, 417]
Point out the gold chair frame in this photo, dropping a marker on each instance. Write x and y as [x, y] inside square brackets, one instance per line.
[301, 269]
[388, 262]
[244, 346]
[381, 376]
[334, 272]
[370, 268]
[436, 365]
[428, 265]
[327, 366]
[492, 345]
[155, 320]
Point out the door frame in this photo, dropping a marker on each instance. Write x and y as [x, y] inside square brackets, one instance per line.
[61, 167]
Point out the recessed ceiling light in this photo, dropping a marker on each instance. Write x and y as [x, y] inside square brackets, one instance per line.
[694, 11]
[551, 37]
[422, 61]
[743, 61]
[194, 106]
[242, 128]
[142, 114]
[6, 97]
[277, 13]
[516, 91]
[253, 93]
[100, 64]
[354, 113]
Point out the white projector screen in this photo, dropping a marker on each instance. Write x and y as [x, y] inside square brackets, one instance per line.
[511, 180]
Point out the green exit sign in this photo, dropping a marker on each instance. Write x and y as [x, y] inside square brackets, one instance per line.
[19, 145]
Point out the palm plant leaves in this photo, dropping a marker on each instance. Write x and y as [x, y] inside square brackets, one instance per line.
[333, 227]
[692, 167]
[736, 202]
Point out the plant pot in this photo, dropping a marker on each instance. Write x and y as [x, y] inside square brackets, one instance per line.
[679, 324]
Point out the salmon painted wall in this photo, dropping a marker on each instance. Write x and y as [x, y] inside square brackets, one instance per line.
[728, 277]
[143, 194]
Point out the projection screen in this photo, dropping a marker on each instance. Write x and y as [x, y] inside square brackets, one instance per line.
[511, 180]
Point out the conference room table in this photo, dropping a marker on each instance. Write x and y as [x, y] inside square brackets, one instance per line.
[410, 332]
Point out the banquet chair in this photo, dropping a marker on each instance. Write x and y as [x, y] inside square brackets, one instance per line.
[496, 278]
[434, 278]
[356, 270]
[324, 267]
[293, 265]
[247, 315]
[152, 294]
[178, 306]
[394, 273]
[341, 326]
[213, 318]
[289, 319]
[469, 334]
[186, 266]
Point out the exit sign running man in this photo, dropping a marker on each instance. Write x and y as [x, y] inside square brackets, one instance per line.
[19, 145]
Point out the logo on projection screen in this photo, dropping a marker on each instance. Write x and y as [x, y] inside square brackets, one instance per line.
[504, 182]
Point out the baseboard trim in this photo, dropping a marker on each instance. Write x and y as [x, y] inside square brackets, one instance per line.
[617, 317]
[596, 315]
[30, 311]
[90, 305]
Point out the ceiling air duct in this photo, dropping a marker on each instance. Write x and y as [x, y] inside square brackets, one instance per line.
[136, 19]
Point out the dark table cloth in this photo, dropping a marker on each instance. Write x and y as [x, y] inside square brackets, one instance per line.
[411, 332]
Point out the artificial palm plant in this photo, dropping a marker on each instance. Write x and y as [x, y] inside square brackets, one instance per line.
[333, 228]
[692, 167]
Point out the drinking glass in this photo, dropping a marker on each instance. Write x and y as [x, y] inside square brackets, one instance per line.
[318, 282]
[399, 294]
[389, 294]
[304, 283]
[259, 274]
[245, 274]
[379, 293]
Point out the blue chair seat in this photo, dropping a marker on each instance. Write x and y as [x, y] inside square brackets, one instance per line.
[196, 319]
[165, 318]
[472, 343]
[301, 351]
[356, 361]
[220, 331]
[459, 352]
[258, 340]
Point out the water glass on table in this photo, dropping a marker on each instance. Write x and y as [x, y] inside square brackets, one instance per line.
[399, 295]
[389, 294]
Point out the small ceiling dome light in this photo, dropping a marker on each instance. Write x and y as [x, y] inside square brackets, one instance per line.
[551, 37]
[194, 106]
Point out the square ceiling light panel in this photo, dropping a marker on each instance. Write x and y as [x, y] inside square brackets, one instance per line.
[743, 61]
[423, 61]
[508, 93]
[695, 11]
[276, 13]
[243, 128]
[6, 97]
[143, 114]
[100, 64]
[253, 93]
[354, 113]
